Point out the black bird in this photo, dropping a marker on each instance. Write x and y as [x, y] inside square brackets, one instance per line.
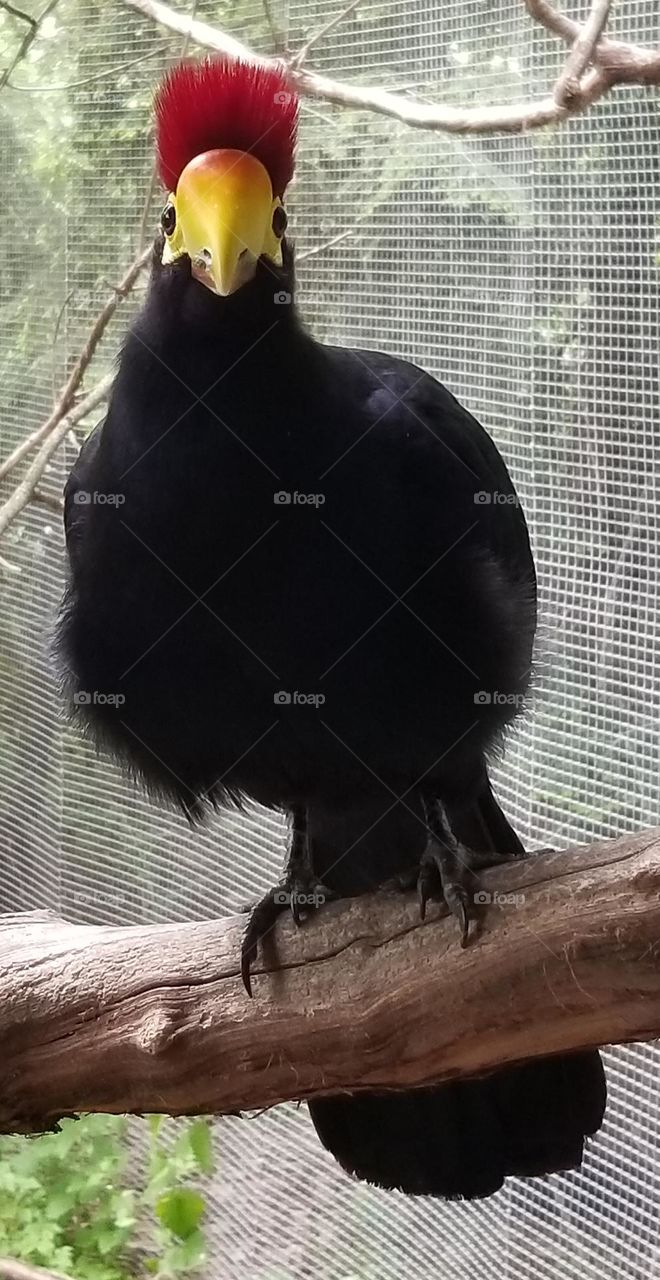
[300, 574]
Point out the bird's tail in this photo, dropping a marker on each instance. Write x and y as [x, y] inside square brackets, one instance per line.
[464, 1138]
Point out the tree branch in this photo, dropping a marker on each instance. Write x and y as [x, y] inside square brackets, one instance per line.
[67, 395]
[614, 63]
[582, 51]
[29, 37]
[24, 491]
[301, 56]
[624, 63]
[364, 996]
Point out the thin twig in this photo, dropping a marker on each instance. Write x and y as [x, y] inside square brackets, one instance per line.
[153, 177]
[277, 36]
[328, 244]
[582, 51]
[66, 397]
[559, 23]
[25, 490]
[301, 56]
[48, 500]
[18, 13]
[616, 63]
[56, 330]
[28, 38]
[80, 84]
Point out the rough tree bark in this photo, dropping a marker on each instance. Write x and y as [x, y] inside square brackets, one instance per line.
[365, 996]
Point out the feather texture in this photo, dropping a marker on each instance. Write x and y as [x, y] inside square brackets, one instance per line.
[217, 103]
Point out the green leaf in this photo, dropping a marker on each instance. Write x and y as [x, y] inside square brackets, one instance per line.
[201, 1145]
[124, 1209]
[155, 1123]
[180, 1211]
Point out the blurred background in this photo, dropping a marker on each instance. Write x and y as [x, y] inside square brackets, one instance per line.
[524, 272]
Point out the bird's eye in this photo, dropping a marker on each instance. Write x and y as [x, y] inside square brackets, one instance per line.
[280, 221]
[168, 219]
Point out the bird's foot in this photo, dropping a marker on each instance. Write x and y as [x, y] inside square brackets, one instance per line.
[300, 893]
[443, 873]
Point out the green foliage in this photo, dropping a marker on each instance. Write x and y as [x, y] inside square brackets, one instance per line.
[62, 1202]
[178, 1209]
[67, 1201]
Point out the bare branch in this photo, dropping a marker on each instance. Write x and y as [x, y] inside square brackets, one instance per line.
[25, 490]
[582, 51]
[18, 13]
[66, 397]
[616, 63]
[143, 229]
[49, 500]
[277, 36]
[561, 25]
[364, 996]
[301, 56]
[28, 38]
[623, 63]
[327, 244]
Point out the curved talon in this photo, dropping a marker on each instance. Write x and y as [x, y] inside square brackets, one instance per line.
[246, 961]
[424, 891]
[439, 876]
[298, 896]
[464, 921]
[263, 915]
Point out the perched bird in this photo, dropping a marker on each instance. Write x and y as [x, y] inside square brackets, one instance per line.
[300, 574]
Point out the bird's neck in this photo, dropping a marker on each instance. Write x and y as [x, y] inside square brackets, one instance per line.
[249, 342]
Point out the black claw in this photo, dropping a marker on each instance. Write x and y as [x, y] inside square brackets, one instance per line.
[464, 922]
[248, 954]
[245, 974]
[262, 918]
[264, 913]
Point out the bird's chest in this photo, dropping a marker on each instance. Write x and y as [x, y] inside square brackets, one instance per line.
[272, 544]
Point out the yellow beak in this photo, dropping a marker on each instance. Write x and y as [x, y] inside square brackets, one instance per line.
[224, 214]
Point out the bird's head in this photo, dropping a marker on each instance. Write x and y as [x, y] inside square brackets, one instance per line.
[225, 138]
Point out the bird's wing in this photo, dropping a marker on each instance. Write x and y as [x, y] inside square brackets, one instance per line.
[444, 451]
[78, 494]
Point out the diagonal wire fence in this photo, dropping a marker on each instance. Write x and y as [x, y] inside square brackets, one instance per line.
[522, 271]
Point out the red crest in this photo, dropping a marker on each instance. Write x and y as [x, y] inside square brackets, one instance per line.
[202, 106]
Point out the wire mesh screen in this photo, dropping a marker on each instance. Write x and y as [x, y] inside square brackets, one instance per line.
[523, 271]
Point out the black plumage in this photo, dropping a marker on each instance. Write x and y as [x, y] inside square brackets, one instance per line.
[395, 596]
